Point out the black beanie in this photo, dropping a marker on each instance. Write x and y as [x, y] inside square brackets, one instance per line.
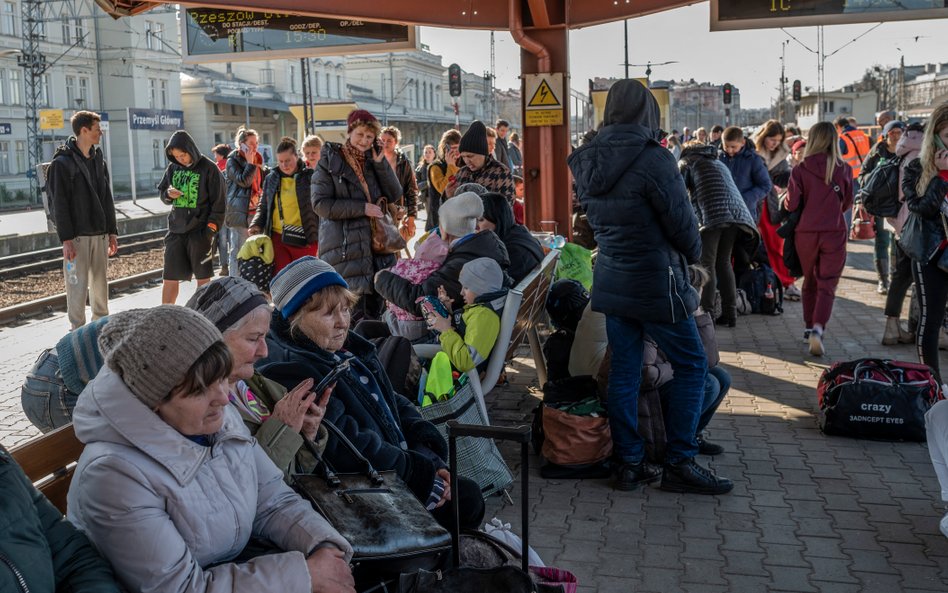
[474, 139]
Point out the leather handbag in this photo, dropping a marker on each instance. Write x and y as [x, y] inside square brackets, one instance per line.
[386, 238]
[864, 224]
[389, 529]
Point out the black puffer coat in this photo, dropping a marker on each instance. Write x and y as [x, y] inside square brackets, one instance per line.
[404, 294]
[647, 233]
[406, 178]
[292, 359]
[714, 196]
[263, 219]
[345, 236]
[240, 177]
[926, 206]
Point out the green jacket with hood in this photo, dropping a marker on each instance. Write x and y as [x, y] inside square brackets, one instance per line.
[203, 185]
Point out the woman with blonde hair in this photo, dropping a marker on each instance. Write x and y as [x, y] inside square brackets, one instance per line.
[925, 185]
[821, 188]
[311, 147]
[440, 173]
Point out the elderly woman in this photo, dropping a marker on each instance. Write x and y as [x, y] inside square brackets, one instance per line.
[309, 336]
[479, 165]
[523, 248]
[348, 184]
[170, 487]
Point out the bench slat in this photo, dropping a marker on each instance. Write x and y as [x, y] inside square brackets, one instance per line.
[49, 453]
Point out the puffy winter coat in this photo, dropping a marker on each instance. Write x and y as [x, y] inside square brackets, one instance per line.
[908, 149]
[406, 179]
[82, 203]
[927, 205]
[170, 513]
[203, 197]
[345, 235]
[36, 543]
[240, 178]
[404, 294]
[750, 175]
[523, 248]
[263, 219]
[351, 408]
[823, 206]
[714, 196]
[647, 233]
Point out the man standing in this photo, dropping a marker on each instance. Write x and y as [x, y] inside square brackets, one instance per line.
[78, 186]
[882, 118]
[647, 233]
[501, 152]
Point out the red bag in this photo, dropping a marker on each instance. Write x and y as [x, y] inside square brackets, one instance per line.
[864, 224]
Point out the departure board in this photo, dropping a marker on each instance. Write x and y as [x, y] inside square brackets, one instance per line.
[215, 35]
[761, 14]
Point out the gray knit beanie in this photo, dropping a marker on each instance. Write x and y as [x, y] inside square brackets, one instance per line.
[458, 215]
[482, 276]
[226, 300]
[152, 349]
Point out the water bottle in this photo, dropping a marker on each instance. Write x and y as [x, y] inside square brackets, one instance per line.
[71, 276]
[555, 241]
[769, 292]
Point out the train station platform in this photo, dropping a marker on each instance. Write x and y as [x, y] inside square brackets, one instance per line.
[808, 513]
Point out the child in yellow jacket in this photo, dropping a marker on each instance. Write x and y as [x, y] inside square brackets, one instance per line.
[469, 335]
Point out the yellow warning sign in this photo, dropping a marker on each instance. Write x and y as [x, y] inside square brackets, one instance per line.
[51, 119]
[544, 97]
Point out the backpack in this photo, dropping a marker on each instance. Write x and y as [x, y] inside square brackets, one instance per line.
[556, 351]
[879, 193]
[46, 191]
[764, 291]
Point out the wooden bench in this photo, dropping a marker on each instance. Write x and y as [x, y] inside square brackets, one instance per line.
[523, 311]
[49, 462]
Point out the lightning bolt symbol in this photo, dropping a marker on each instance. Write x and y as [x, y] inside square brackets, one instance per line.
[543, 93]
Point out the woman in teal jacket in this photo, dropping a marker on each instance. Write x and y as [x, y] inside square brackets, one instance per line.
[40, 551]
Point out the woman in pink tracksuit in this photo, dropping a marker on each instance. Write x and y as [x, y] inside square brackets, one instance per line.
[822, 186]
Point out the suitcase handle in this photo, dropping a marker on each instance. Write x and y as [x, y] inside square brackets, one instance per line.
[517, 434]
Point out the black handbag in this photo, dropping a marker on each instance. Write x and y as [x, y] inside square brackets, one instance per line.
[788, 232]
[292, 235]
[389, 529]
[879, 193]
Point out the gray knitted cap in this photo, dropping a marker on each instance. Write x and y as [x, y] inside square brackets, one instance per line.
[152, 349]
[482, 276]
[226, 300]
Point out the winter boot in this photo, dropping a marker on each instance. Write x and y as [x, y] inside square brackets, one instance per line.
[728, 316]
[894, 334]
[882, 269]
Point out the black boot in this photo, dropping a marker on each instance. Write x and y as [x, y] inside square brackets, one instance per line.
[728, 317]
[882, 269]
[687, 476]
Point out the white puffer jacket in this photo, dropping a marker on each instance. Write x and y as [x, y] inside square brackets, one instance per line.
[169, 513]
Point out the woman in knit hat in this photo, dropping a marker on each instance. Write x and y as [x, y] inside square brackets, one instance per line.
[170, 486]
[349, 182]
[309, 336]
[459, 217]
[278, 419]
[480, 166]
[523, 248]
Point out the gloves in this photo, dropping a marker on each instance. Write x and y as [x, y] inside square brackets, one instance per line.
[211, 230]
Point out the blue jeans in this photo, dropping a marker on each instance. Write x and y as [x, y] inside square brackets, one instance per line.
[682, 346]
[45, 399]
[222, 250]
[716, 386]
[236, 236]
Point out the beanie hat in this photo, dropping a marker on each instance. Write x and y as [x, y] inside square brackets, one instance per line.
[79, 356]
[225, 301]
[482, 276]
[477, 188]
[153, 349]
[892, 125]
[474, 139]
[565, 303]
[458, 215]
[799, 145]
[357, 116]
[300, 280]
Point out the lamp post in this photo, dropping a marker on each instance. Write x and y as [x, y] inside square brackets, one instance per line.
[246, 95]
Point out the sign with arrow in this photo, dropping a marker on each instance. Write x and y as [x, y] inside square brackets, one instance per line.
[543, 96]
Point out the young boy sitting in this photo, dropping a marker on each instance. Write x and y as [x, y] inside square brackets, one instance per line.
[469, 335]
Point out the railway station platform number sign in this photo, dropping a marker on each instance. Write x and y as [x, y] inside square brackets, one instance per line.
[543, 99]
[228, 35]
[731, 15]
[51, 119]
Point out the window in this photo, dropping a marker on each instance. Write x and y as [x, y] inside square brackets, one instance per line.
[8, 20]
[84, 92]
[70, 92]
[164, 94]
[80, 32]
[16, 89]
[217, 110]
[67, 32]
[292, 78]
[21, 156]
[44, 96]
[266, 137]
[339, 91]
[218, 137]
[149, 30]
[157, 37]
[328, 83]
[156, 153]
[266, 76]
[4, 158]
[4, 97]
[233, 110]
[152, 93]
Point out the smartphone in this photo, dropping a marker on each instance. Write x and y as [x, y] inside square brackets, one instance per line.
[244, 147]
[377, 146]
[331, 378]
[939, 144]
[434, 304]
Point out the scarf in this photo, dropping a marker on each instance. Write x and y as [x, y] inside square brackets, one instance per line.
[355, 158]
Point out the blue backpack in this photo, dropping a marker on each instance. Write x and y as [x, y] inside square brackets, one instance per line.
[764, 291]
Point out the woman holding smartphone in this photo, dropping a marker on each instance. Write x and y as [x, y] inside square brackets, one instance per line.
[350, 181]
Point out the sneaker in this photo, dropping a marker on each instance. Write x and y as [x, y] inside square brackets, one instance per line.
[709, 448]
[816, 343]
[806, 335]
[630, 476]
[689, 477]
[792, 293]
[882, 287]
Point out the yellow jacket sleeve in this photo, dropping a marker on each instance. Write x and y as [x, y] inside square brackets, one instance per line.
[474, 347]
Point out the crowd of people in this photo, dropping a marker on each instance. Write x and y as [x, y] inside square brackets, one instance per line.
[184, 482]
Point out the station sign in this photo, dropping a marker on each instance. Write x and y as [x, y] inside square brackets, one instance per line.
[6, 129]
[543, 99]
[51, 119]
[734, 15]
[155, 120]
[226, 35]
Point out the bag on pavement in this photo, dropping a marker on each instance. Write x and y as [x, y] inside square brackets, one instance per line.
[871, 398]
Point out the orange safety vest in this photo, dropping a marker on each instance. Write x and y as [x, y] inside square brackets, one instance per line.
[857, 147]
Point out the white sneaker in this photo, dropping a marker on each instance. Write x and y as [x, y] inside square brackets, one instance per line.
[816, 343]
[943, 525]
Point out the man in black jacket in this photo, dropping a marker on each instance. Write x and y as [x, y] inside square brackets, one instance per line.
[194, 186]
[78, 185]
[647, 233]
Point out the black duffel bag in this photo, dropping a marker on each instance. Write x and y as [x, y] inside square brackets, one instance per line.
[877, 399]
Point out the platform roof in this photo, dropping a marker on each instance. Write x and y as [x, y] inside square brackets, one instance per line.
[461, 14]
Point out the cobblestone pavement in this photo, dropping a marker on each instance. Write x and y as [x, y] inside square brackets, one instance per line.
[808, 512]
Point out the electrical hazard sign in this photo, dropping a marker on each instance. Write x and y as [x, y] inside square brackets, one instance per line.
[543, 94]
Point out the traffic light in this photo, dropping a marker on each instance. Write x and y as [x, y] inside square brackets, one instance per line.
[727, 93]
[796, 90]
[454, 80]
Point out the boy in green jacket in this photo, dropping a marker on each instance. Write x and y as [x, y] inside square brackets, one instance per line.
[469, 335]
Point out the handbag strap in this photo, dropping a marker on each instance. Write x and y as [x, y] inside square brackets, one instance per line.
[370, 471]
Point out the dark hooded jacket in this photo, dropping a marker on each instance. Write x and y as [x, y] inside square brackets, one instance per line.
[240, 178]
[523, 249]
[749, 174]
[406, 178]
[638, 208]
[345, 235]
[823, 205]
[263, 219]
[403, 293]
[203, 200]
[927, 205]
[715, 198]
[82, 203]
[294, 357]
